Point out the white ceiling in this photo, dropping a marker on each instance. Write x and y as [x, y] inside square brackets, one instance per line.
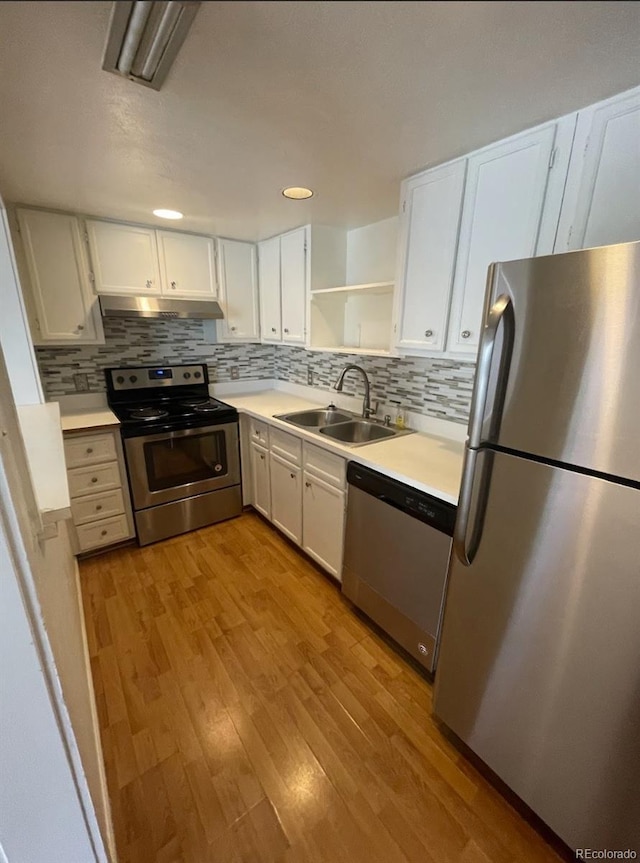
[345, 97]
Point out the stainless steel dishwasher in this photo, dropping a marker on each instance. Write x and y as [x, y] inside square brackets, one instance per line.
[397, 547]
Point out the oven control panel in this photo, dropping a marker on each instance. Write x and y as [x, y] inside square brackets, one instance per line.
[157, 376]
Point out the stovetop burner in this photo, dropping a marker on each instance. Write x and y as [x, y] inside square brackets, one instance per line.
[206, 408]
[193, 403]
[148, 413]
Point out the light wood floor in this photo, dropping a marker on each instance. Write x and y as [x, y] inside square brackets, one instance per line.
[247, 714]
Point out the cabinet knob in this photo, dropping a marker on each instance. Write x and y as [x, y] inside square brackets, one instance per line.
[233, 329]
[273, 329]
[465, 334]
[103, 532]
[428, 333]
[307, 485]
[80, 328]
[94, 479]
[89, 450]
[98, 507]
[286, 330]
[174, 285]
[262, 456]
[149, 283]
[292, 475]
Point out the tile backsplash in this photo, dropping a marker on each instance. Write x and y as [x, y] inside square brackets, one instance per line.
[435, 387]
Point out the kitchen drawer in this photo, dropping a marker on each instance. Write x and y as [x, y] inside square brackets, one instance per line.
[103, 532]
[285, 445]
[96, 506]
[259, 432]
[325, 465]
[89, 449]
[100, 477]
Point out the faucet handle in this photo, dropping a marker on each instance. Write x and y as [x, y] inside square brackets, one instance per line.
[372, 409]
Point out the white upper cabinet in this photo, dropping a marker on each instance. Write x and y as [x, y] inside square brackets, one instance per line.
[427, 243]
[63, 300]
[510, 211]
[602, 200]
[238, 292]
[293, 285]
[124, 258]
[269, 281]
[187, 265]
[283, 278]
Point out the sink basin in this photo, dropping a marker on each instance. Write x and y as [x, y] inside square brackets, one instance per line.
[315, 418]
[358, 431]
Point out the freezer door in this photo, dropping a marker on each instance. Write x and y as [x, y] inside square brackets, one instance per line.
[572, 386]
[539, 665]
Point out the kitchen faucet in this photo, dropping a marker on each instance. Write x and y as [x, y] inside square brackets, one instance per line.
[366, 402]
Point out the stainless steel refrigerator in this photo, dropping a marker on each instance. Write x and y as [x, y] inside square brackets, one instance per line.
[539, 662]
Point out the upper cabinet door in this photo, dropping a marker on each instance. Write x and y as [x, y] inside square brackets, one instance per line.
[429, 223]
[602, 201]
[238, 291]
[124, 257]
[269, 282]
[293, 280]
[187, 265]
[65, 306]
[501, 220]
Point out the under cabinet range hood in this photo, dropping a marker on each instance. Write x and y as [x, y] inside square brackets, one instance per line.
[158, 307]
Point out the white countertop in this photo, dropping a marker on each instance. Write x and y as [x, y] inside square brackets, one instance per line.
[88, 419]
[42, 436]
[427, 462]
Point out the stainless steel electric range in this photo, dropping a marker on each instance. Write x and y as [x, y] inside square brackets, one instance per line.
[181, 448]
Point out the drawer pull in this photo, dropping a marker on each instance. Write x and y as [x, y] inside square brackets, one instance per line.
[89, 450]
[94, 479]
[104, 532]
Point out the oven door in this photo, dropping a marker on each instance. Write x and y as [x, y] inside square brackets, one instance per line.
[179, 464]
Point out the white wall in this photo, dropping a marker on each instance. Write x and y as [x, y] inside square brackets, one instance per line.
[371, 252]
[15, 338]
[56, 802]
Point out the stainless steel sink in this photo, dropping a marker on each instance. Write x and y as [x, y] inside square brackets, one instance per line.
[359, 431]
[342, 426]
[314, 419]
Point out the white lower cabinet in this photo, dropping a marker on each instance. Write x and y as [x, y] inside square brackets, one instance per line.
[100, 503]
[260, 480]
[286, 497]
[323, 510]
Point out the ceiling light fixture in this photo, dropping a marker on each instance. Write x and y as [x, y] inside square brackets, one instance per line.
[168, 214]
[145, 37]
[297, 193]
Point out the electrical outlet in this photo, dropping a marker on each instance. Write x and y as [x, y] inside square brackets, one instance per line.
[81, 383]
[235, 373]
[310, 376]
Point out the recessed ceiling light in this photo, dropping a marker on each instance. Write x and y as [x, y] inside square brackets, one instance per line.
[168, 214]
[297, 193]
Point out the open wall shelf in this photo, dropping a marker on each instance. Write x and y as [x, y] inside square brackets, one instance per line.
[354, 318]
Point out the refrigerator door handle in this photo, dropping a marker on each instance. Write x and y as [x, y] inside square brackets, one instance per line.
[502, 310]
[478, 465]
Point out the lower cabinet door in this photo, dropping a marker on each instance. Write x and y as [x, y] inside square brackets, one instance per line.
[286, 497]
[261, 485]
[323, 527]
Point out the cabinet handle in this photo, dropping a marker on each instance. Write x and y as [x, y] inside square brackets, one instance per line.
[273, 329]
[104, 532]
[286, 330]
[307, 485]
[292, 475]
[262, 456]
[149, 283]
[94, 479]
[98, 507]
[465, 334]
[89, 450]
[233, 329]
[79, 328]
[174, 285]
[428, 333]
